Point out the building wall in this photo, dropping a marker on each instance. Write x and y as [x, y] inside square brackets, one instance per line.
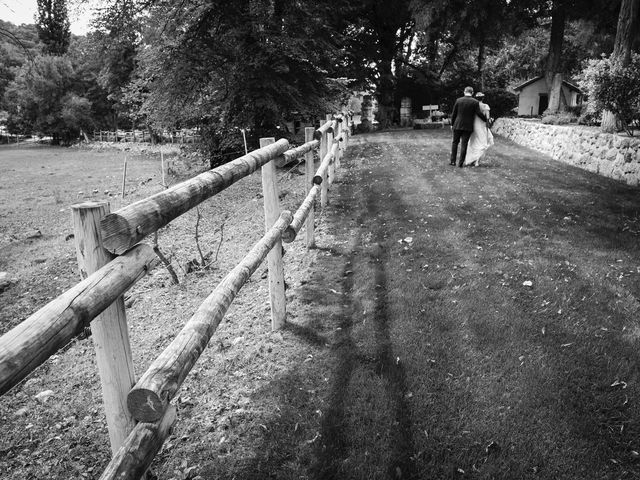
[529, 97]
[607, 154]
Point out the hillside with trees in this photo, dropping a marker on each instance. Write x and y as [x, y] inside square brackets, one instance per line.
[252, 64]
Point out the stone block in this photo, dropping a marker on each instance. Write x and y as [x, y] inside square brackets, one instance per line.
[606, 169]
[628, 156]
[632, 180]
[620, 142]
[585, 159]
[611, 154]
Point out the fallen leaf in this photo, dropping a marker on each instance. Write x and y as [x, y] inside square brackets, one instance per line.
[619, 383]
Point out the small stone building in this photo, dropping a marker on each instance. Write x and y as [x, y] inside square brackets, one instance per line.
[533, 98]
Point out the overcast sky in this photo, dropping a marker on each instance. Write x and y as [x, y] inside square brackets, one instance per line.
[23, 11]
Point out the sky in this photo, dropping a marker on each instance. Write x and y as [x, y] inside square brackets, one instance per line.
[23, 11]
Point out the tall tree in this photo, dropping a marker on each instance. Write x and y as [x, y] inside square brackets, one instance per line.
[377, 34]
[42, 99]
[626, 35]
[245, 63]
[553, 74]
[53, 26]
[116, 39]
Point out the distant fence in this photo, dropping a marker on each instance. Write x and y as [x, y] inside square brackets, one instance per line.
[178, 136]
[11, 138]
[111, 260]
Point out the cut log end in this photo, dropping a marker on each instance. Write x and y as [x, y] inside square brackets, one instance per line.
[289, 235]
[317, 179]
[145, 405]
[116, 234]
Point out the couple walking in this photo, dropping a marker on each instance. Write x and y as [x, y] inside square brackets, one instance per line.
[469, 123]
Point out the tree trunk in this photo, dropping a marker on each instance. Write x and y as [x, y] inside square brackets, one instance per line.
[554, 83]
[609, 122]
[621, 56]
[386, 88]
[481, 54]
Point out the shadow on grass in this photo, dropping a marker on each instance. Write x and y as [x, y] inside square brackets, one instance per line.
[440, 363]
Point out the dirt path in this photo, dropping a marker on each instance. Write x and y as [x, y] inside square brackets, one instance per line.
[482, 323]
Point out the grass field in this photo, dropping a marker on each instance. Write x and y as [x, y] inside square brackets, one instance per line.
[476, 323]
[39, 186]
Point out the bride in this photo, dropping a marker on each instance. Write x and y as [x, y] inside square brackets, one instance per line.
[481, 138]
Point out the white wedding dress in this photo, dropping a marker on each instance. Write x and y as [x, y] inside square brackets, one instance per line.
[481, 138]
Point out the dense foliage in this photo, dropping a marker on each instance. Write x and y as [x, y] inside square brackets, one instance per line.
[253, 65]
[53, 26]
[614, 87]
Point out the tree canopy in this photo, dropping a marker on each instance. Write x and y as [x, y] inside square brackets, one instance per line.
[253, 63]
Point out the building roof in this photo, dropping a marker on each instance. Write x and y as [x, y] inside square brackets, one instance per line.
[571, 86]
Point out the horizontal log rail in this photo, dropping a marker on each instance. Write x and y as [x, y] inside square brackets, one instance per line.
[122, 229]
[325, 128]
[33, 341]
[151, 395]
[295, 153]
[301, 215]
[133, 459]
[324, 166]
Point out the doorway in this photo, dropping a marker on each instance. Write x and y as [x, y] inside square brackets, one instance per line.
[543, 103]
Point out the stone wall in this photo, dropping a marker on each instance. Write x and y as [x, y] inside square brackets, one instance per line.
[608, 154]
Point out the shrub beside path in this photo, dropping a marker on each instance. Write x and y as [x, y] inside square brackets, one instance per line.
[474, 323]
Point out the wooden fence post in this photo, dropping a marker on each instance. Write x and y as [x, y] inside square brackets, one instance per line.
[339, 150]
[324, 188]
[164, 184]
[109, 329]
[309, 168]
[331, 171]
[274, 258]
[124, 175]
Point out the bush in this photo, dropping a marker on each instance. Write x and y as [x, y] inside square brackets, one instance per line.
[501, 102]
[614, 88]
[589, 116]
[575, 110]
[559, 119]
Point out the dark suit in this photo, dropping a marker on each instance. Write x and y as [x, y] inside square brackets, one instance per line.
[464, 114]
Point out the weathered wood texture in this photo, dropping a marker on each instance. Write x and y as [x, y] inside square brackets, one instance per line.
[33, 341]
[277, 298]
[321, 173]
[327, 127]
[109, 330]
[332, 165]
[309, 169]
[295, 153]
[136, 454]
[300, 216]
[150, 396]
[127, 226]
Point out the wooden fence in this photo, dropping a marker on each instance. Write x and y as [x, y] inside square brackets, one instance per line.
[111, 259]
[180, 136]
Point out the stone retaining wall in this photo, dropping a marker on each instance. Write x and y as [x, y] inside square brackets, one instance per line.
[608, 154]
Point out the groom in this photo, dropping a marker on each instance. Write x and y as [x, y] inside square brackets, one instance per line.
[464, 113]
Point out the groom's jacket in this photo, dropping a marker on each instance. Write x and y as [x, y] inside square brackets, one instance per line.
[464, 113]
